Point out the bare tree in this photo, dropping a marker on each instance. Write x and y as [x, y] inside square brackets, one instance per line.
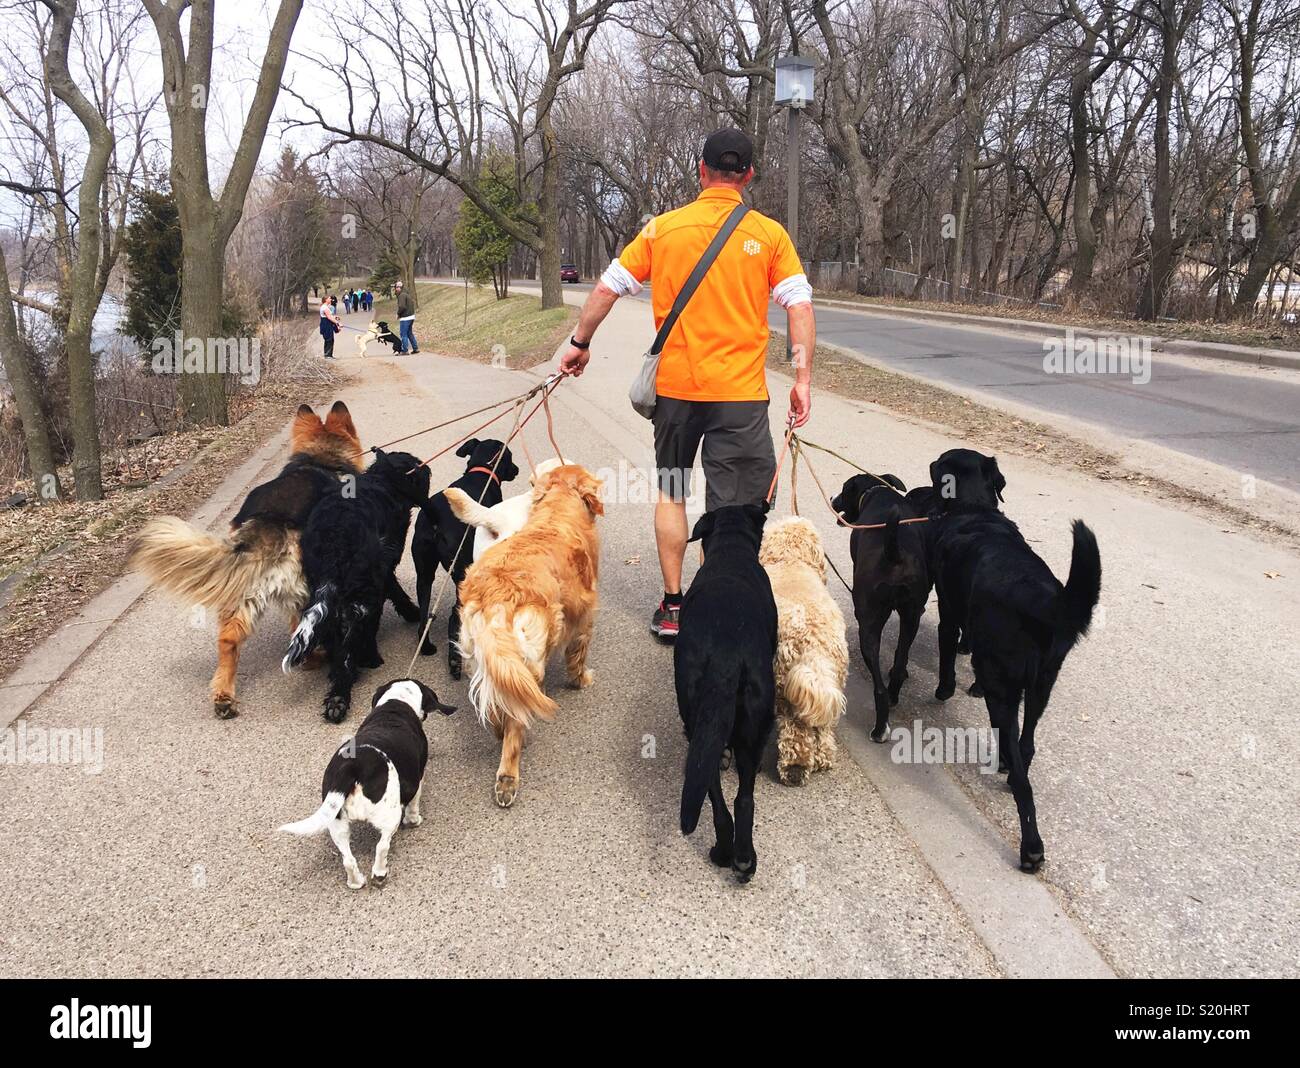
[208, 220]
[503, 78]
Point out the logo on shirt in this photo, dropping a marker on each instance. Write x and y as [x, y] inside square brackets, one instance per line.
[752, 247]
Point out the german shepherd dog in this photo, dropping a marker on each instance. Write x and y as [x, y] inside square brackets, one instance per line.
[351, 546]
[259, 564]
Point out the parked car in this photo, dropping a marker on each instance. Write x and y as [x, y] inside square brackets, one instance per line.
[569, 272]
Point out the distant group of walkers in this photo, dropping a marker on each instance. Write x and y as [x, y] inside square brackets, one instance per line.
[355, 300]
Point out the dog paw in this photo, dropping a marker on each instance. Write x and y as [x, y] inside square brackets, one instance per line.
[745, 868]
[376, 661]
[725, 760]
[407, 613]
[453, 667]
[378, 880]
[506, 788]
[880, 734]
[581, 682]
[975, 689]
[1031, 858]
[945, 690]
[793, 775]
[335, 710]
[224, 707]
[412, 819]
[428, 649]
[721, 855]
[358, 884]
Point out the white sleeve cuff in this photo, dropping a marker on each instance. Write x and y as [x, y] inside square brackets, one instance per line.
[793, 290]
[620, 280]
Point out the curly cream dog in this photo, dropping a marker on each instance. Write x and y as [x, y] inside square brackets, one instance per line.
[812, 655]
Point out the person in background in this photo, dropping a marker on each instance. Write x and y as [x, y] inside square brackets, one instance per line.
[329, 326]
[406, 318]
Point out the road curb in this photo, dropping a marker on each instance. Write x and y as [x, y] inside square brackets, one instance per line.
[1247, 354]
[50, 661]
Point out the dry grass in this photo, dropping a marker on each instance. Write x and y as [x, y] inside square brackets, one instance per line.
[473, 325]
[56, 557]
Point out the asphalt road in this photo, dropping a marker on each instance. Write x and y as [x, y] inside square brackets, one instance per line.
[1164, 777]
[1246, 419]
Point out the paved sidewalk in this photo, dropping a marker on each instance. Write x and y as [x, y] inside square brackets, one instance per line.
[1164, 777]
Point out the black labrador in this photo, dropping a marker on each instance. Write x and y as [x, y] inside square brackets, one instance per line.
[726, 688]
[1020, 620]
[439, 534]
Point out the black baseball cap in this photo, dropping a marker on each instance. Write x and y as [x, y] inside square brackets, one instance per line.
[729, 150]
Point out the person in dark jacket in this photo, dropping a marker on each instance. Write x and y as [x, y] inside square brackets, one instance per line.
[406, 318]
[329, 326]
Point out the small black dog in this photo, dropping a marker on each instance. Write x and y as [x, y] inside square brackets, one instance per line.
[890, 574]
[1020, 621]
[726, 688]
[438, 533]
[376, 776]
[386, 336]
[351, 546]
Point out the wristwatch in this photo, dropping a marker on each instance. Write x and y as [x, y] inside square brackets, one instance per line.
[584, 345]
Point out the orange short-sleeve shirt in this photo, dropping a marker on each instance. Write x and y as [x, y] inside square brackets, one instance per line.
[718, 349]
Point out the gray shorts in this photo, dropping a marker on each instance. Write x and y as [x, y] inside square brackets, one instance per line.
[738, 458]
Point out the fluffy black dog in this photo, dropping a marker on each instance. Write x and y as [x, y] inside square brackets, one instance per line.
[890, 574]
[438, 533]
[726, 689]
[351, 546]
[1020, 621]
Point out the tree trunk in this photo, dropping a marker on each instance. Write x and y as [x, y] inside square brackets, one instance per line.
[1151, 301]
[203, 394]
[548, 250]
[27, 395]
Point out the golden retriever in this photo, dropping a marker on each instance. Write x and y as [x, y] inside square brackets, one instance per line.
[812, 655]
[526, 598]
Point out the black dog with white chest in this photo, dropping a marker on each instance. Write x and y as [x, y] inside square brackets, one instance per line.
[376, 776]
[351, 546]
[439, 534]
[726, 687]
[1019, 619]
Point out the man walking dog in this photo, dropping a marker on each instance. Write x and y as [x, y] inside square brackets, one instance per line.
[406, 319]
[710, 387]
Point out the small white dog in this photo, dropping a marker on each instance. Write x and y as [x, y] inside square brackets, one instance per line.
[501, 520]
[376, 776]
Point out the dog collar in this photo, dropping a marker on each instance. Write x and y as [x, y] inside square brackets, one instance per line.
[487, 471]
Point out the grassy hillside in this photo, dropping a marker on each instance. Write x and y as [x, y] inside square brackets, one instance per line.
[514, 332]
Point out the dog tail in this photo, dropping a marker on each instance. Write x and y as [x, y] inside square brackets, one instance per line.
[206, 570]
[468, 510]
[890, 551]
[814, 692]
[1083, 588]
[321, 818]
[503, 685]
[715, 706]
[306, 633]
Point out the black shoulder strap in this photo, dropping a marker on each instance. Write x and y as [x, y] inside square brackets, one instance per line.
[697, 276]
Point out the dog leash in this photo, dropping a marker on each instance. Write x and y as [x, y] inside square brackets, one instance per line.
[468, 415]
[785, 447]
[842, 520]
[446, 575]
[831, 452]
